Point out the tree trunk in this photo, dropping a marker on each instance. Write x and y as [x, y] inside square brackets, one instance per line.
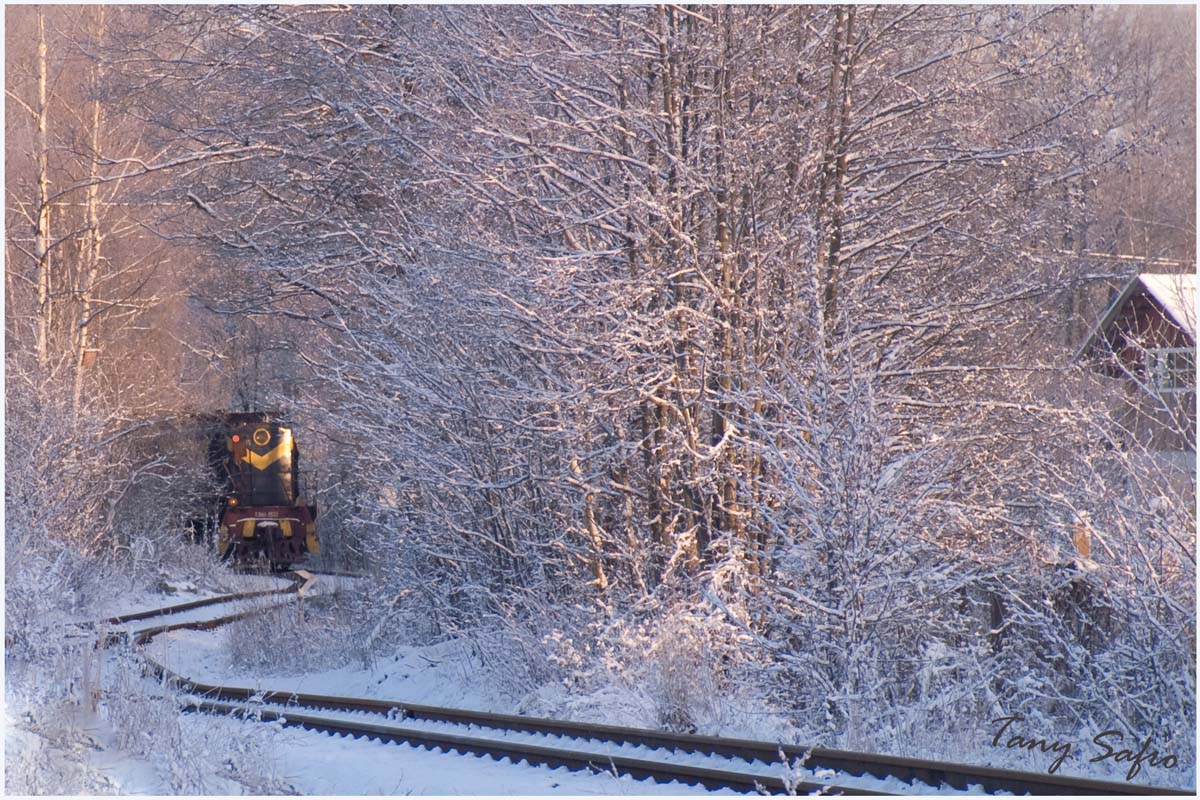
[41, 245]
[90, 247]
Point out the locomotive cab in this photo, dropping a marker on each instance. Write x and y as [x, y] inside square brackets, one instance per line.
[264, 513]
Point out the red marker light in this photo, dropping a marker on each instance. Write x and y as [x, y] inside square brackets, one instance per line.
[236, 438]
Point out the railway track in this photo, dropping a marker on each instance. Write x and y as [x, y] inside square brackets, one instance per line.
[570, 754]
[194, 614]
[715, 763]
[712, 762]
[298, 580]
[192, 605]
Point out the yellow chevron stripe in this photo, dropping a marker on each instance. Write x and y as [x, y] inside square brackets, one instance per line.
[268, 458]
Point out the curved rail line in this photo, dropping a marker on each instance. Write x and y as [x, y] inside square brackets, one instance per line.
[297, 581]
[533, 754]
[194, 604]
[934, 774]
[249, 702]
[146, 634]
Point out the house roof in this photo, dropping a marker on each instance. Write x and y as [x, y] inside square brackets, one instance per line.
[1175, 293]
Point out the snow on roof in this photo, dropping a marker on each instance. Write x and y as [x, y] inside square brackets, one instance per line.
[1177, 295]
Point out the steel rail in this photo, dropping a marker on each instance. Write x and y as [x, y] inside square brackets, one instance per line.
[334, 573]
[136, 616]
[908, 770]
[497, 749]
[264, 572]
[533, 754]
[145, 635]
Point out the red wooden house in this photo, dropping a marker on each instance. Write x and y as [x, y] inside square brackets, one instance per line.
[1146, 340]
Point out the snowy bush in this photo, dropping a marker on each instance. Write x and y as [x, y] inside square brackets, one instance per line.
[41, 762]
[512, 654]
[194, 753]
[309, 634]
[685, 676]
[684, 670]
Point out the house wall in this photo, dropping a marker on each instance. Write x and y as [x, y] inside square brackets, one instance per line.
[1159, 422]
[1142, 323]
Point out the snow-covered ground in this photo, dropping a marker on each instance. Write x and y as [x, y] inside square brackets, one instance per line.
[80, 759]
[265, 758]
[69, 751]
[444, 674]
[439, 675]
[296, 761]
[605, 749]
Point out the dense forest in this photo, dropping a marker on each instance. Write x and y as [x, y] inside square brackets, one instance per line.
[723, 352]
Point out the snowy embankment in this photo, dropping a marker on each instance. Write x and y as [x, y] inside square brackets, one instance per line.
[163, 751]
[438, 675]
[449, 674]
[93, 723]
[79, 720]
[137, 740]
[610, 750]
[319, 763]
[269, 759]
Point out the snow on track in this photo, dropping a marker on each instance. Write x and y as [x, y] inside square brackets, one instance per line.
[322, 763]
[431, 675]
[203, 614]
[603, 749]
[181, 593]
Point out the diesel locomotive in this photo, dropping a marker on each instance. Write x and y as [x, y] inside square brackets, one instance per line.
[263, 510]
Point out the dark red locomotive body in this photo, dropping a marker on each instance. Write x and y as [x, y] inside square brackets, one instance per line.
[263, 511]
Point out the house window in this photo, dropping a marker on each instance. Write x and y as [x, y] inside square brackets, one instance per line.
[1171, 369]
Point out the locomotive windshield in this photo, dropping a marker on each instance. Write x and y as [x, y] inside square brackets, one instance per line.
[260, 464]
